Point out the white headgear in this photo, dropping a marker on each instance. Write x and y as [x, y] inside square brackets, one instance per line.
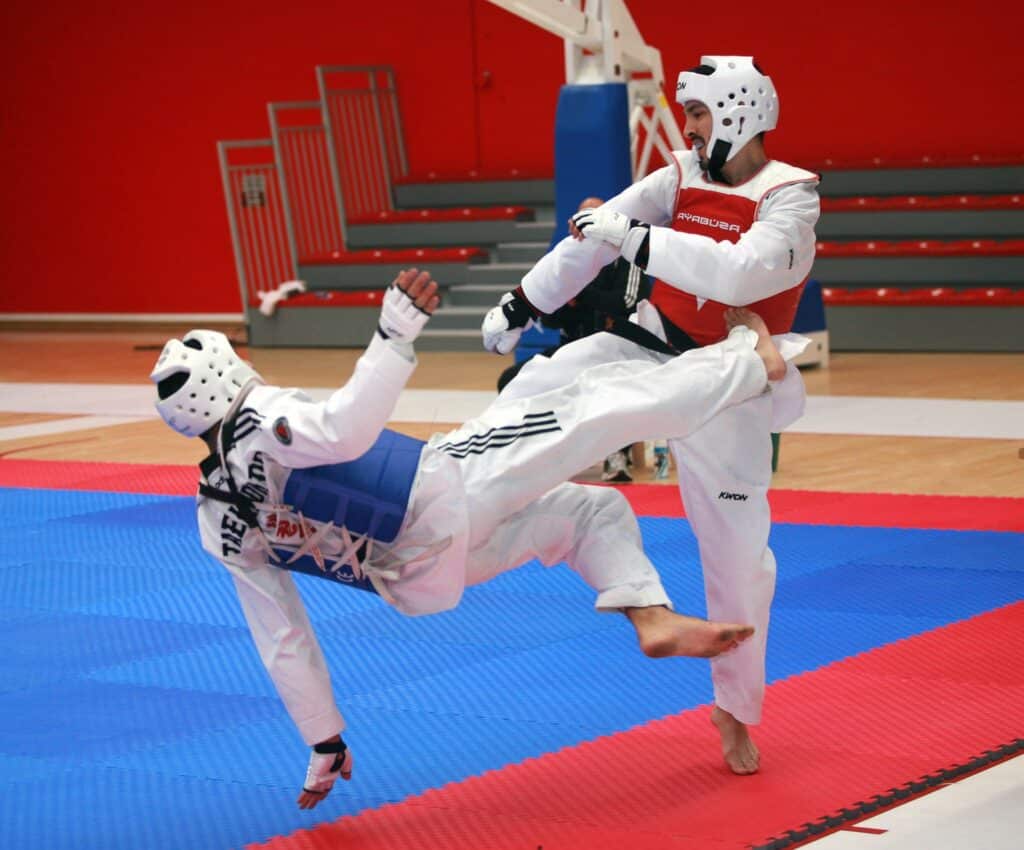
[214, 375]
[741, 99]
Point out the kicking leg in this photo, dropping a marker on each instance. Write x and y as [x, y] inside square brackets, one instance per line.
[519, 449]
[663, 633]
[774, 365]
[594, 531]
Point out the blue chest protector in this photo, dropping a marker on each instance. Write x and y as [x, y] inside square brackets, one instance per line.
[368, 496]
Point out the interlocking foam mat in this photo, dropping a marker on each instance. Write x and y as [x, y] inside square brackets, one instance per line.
[136, 713]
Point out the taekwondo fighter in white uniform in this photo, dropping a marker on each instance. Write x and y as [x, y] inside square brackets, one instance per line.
[720, 225]
[324, 489]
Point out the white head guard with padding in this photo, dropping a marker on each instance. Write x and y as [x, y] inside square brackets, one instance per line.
[213, 376]
[741, 99]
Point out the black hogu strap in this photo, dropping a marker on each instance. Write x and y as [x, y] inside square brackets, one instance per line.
[678, 340]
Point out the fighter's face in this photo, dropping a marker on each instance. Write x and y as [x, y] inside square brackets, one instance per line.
[698, 127]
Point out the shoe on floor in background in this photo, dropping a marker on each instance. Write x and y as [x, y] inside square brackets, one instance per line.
[616, 468]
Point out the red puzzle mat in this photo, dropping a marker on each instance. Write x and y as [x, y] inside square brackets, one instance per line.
[966, 513]
[860, 730]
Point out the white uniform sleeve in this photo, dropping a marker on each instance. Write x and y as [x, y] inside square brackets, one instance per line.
[561, 273]
[344, 426]
[775, 254]
[288, 647]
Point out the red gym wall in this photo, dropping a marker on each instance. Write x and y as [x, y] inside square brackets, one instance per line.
[113, 200]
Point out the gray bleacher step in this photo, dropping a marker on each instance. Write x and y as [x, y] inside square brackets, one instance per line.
[374, 276]
[455, 340]
[314, 327]
[534, 231]
[498, 273]
[519, 252]
[854, 327]
[475, 194]
[922, 181]
[898, 271]
[921, 224]
[441, 233]
[467, 318]
[475, 295]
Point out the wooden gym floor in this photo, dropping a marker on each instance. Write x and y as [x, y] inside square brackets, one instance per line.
[951, 464]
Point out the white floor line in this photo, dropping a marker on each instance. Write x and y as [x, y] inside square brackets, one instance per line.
[983, 812]
[62, 426]
[859, 415]
[912, 417]
[80, 399]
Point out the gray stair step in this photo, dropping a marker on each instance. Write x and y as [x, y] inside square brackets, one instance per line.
[923, 224]
[475, 295]
[374, 276]
[432, 339]
[519, 252]
[464, 318]
[922, 181]
[475, 194]
[313, 327]
[508, 274]
[439, 233]
[924, 328]
[533, 231]
[897, 271]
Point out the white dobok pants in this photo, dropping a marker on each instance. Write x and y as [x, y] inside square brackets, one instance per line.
[724, 469]
[496, 485]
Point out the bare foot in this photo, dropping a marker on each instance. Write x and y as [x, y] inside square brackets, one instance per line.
[739, 750]
[774, 365]
[663, 633]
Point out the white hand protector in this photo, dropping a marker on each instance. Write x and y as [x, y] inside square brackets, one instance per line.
[627, 235]
[604, 225]
[327, 762]
[504, 324]
[400, 319]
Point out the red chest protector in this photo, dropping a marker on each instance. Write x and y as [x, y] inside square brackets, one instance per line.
[724, 213]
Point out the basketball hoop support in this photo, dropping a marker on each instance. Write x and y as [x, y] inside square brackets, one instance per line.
[603, 45]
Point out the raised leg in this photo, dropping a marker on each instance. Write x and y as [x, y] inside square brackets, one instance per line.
[594, 531]
[519, 449]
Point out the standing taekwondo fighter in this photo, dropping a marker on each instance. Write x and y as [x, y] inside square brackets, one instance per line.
[720, 225]
[325, 489]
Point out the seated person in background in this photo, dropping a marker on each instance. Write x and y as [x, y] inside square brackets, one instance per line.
[613, 294]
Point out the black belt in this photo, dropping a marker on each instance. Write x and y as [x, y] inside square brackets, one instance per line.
[678, 339]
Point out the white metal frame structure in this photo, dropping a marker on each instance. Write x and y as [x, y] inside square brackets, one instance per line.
[316, 212]
[258, 217]
[364, 134]
[604, 45]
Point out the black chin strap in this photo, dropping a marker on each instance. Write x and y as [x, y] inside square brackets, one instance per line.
[719, 154]
[217, 459]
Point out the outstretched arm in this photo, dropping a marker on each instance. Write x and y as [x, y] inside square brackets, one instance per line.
[561, 273]
[574, 262]
[288, 647]
[300, 433]
[772, 256]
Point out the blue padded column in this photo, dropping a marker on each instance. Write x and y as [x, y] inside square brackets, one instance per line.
[591, 159]
[591, 147]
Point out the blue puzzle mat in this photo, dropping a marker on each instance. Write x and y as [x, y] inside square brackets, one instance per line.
[135, 712]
